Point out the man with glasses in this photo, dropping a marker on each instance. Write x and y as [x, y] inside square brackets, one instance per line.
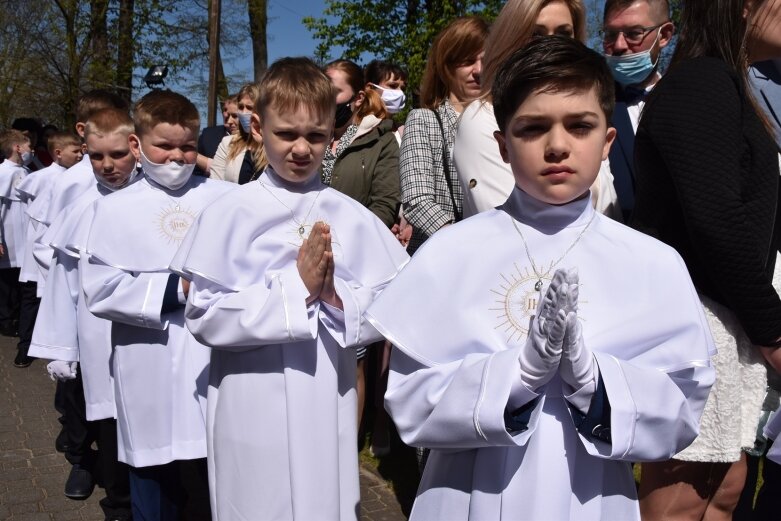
[634, 32]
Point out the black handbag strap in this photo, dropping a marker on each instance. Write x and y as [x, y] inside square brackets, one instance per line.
[456, 212]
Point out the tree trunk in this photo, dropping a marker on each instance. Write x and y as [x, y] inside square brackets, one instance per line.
[125, 61]
[257, 27]
[101, 73]
[214, 58]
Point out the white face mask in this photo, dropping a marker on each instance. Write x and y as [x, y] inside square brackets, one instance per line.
[27, 158]
[244, 121]
[172, 175]
[394, 99]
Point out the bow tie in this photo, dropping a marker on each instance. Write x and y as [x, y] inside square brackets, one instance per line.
[631, 95]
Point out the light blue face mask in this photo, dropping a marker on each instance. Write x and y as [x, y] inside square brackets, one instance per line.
[244, 121]
[632, 69]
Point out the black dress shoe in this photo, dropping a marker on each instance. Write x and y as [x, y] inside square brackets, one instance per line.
[62, 443]
[80, 483]
[22, 360]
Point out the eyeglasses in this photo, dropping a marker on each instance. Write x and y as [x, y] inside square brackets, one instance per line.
[633, 36]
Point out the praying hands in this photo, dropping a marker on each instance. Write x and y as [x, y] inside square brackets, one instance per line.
[316, 266]
[555, 342]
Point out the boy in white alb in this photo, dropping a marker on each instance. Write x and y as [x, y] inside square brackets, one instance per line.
[16, 149]
[160, 371]
[78, 342]
[74, 181]
[282, 270]
[556, 345]
[65, 150]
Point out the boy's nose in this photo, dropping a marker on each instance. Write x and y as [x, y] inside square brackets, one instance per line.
[557, 144]
[301, 147]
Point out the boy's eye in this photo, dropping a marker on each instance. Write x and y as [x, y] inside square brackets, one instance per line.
[120, 154]
[530, 130]
[317, 137]
[581, 128]
[287, 136]
[565, 31]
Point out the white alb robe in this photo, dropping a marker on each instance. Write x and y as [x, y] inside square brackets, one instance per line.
[487, 180]
[31, 186]
[12, 217]
[160, 371]
[282, 402]
[64, 328]
[458, 316]
[51, 201]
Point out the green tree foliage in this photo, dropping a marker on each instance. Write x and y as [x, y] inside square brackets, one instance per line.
[52, 51]
[400, 31]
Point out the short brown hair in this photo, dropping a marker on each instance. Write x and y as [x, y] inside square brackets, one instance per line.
[59, 140]
[293, 83]
[513, 29]
[372, 103]
[9, 138]
[165, 106]
[462, 40]
[96, 100]
[109, 121]
[551, 64]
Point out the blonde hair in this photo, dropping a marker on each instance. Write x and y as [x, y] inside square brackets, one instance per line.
[9, 138]
[109, 121]
[462, 40]
[514, 27]
[293, 83]
[165, 106]
[242, 141]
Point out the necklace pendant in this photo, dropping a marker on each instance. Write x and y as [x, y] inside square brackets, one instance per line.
[538, 285]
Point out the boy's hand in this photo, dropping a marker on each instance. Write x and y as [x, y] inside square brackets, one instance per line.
[578, 366]
[328, 293]
[541, 354]
[312, 263]
[2, 250]
[185, 287]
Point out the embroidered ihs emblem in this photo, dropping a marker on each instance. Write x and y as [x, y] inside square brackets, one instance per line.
[174, 222]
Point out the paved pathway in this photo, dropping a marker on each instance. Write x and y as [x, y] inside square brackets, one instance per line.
[33, 474]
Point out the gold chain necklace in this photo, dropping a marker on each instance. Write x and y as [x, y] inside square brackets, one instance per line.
[301, 224]
[538, 284]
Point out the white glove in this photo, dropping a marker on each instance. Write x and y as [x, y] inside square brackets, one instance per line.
[61, 370]
[578, 367]
[540, 356]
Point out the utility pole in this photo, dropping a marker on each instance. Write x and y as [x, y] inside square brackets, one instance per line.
[214, 53]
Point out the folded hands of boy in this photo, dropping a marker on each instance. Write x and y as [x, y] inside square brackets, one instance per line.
[555, 342]
[316, 266]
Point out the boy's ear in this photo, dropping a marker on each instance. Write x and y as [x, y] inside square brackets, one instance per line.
[135, 146]
[609, 138]
[255, 131]
[499, 135]
[58, 153]
[80, 128]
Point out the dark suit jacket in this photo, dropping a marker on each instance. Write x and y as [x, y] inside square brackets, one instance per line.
[621, 157]
[208, 142]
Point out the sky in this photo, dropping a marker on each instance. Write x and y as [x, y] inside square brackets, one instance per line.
[286, 36]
